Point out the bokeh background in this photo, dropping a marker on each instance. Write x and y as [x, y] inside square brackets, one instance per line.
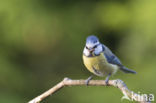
[41, 42]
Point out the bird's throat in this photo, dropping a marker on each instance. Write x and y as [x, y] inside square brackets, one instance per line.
[91, 54]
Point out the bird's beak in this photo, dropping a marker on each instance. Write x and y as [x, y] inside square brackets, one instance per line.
[91, 50]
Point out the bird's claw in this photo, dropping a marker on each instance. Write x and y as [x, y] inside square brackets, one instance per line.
[106, 81]
[88, 79]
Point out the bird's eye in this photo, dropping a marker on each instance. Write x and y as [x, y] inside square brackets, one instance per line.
[95, 41]
[86, 47]
[95, 46]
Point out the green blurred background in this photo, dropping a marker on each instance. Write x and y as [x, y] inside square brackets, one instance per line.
[41, 42]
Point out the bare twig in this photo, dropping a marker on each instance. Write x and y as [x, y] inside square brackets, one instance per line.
[69, 82]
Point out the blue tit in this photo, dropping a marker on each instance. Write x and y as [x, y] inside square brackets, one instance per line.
[99, 59]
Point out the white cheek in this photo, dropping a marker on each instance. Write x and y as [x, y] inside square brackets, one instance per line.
[86, 52]
[98, 50]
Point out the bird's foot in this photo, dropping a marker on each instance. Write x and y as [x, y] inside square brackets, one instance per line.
[88, 79]
[107, 79]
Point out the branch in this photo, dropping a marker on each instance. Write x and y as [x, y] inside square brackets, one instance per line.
[128, 94]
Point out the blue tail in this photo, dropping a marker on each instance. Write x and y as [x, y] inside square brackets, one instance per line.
[126, 70]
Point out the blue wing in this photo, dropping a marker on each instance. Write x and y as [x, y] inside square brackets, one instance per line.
[111, 58]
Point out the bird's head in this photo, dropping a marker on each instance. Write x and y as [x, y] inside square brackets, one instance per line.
[93, 46]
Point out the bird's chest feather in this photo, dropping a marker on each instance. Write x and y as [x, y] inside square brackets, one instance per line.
[98, 65]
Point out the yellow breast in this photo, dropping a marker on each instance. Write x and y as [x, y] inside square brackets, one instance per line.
[99, 65]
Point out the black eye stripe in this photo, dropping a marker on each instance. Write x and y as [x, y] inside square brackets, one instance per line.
[86, 47]
[95, 46]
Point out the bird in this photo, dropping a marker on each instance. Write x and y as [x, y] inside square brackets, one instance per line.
[100, 60]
